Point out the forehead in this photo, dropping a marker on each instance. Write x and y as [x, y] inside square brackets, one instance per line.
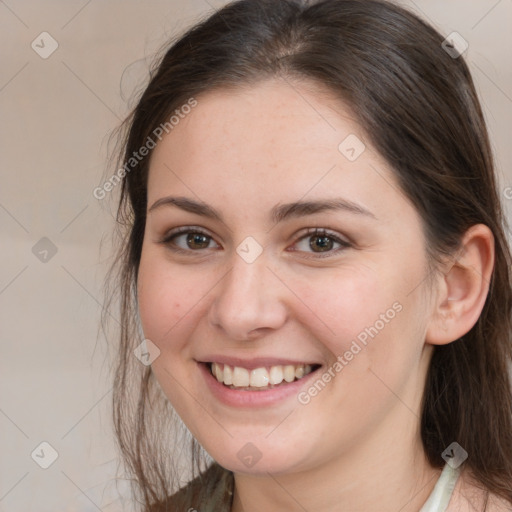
[273, 142]
[269, 121]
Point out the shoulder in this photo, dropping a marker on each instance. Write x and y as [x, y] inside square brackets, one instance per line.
[469, 496]
[497, 504]
[212, 491]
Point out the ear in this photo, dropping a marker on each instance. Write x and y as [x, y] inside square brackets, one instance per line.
[462, 288]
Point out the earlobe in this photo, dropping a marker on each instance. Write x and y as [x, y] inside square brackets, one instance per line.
[462, 287]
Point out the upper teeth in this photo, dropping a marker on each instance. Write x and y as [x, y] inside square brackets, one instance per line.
[259, 377]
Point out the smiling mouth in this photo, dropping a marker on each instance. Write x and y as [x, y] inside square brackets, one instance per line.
[259, 379]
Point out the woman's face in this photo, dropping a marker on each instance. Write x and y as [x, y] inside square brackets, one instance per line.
[253, 171]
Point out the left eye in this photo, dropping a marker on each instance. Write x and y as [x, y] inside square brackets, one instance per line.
[322, 240]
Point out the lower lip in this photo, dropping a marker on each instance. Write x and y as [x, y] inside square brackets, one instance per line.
[266, 397]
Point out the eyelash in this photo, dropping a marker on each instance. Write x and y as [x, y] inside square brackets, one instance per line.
[320, 232]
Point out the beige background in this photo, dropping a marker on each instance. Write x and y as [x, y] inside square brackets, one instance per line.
[56, 114]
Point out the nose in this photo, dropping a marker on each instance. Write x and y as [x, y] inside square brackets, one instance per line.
[248, 301]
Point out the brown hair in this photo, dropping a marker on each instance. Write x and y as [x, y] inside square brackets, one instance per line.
[418, 107]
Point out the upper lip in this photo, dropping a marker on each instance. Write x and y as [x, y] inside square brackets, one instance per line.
[256, 362]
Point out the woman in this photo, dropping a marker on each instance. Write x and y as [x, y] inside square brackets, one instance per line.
[314, 254]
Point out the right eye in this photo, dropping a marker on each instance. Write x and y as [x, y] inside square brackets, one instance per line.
[187, 240]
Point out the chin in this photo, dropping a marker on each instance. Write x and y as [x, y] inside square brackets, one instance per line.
[259, 458]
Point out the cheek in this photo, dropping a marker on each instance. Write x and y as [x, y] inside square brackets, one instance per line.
[167, 298]
[341, 305]
[368, 322]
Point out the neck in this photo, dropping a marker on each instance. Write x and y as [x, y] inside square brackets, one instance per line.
[389, 473]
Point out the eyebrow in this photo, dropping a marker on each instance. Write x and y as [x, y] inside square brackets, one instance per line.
[278, 214]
